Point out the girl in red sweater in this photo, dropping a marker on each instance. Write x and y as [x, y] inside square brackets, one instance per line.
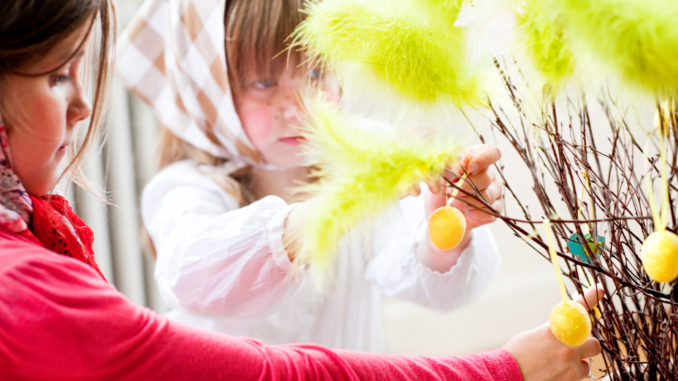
[59, 317]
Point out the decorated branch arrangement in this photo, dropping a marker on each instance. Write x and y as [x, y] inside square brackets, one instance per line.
[588, 107]
[606, 191]
[603, 159]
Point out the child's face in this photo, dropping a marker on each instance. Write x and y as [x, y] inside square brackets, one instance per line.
[40, 113]
[270, 113]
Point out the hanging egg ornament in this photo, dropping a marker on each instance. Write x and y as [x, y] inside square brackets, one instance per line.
[659, 255]
[569, 323]
[446, 227]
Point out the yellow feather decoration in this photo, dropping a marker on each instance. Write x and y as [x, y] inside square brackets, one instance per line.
[545, 42]
[361, 173]
[634, 40]
[638, 39]
[411, 46]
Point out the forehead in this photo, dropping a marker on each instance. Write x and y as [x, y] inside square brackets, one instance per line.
[60, 52]
[283, 65]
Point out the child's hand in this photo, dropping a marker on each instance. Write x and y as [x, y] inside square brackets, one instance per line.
[482, 178]
[477, 163]
[541, 356]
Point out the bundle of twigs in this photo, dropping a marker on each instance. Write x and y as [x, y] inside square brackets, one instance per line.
[590, 181]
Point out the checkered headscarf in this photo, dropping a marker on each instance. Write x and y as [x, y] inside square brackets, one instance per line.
[172, 55]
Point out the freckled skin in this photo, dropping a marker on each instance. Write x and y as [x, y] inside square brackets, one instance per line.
[271, 114]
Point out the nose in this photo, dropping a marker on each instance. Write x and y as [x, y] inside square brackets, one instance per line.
[78, 109]
[292, 106]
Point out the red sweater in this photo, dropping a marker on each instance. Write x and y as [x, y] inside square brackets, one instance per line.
[60, 321]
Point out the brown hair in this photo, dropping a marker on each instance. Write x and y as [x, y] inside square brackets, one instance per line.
[173, 148]
[29, 28]
[257, 33]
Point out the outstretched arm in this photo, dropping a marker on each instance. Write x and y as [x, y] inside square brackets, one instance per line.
[63, 321]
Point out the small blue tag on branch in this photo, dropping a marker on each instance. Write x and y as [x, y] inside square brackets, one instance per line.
[576, 247]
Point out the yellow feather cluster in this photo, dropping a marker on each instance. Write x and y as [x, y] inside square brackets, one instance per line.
[411, 46]
[638, 39]
[634, 40]
[360, 173]
[545, 42]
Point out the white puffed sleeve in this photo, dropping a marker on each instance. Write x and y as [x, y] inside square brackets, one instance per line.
[212, 256]
[395, 269]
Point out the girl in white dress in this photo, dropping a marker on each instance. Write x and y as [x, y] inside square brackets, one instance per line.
[220, 212]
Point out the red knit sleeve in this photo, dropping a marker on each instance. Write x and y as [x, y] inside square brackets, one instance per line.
[60, 320]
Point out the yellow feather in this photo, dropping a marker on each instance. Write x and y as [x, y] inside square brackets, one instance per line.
[412, 47]
[361, 173]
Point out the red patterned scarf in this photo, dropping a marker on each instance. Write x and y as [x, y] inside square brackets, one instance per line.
[61, 230]
[48, 220]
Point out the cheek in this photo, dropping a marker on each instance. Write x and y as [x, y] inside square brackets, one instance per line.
[42, 121]
[49, 113]
[27, 162]
[258, 121]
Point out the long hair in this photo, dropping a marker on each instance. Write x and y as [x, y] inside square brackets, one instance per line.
[29, 28]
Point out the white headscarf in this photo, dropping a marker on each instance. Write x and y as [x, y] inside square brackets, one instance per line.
[172, 55]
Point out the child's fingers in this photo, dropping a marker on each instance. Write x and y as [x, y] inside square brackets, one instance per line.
[479, 181]
[583, 370]
[493, 192]
[591, 296]
[468, 204]
[498, 206]
[482, 157]
[476, 160]
[487, 186]
[590, 348]
[435, 187]
[471, 205]
[478, 217]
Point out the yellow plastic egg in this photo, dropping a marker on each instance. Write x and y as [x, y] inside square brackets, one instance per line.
[446, 227]
[659, 254]
[570, 323]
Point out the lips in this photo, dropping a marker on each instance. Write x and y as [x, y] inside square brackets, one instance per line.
[293, 140]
